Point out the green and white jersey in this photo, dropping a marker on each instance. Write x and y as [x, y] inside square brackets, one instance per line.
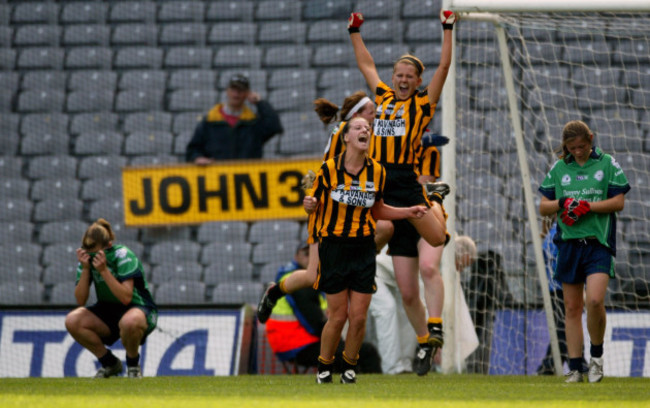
[123, 264]
[599, 179]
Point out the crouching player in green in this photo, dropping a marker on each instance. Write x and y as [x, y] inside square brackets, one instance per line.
[125, 308]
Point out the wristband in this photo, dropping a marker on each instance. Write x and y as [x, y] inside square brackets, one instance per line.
[561, 201]
[353, 30]
[447, 26]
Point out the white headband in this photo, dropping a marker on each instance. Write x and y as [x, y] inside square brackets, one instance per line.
[356, 107]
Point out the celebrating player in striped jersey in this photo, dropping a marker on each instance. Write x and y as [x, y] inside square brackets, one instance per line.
[403, 113]
[349, 190]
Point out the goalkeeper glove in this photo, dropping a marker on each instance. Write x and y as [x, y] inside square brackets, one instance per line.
[354, 22]
[573, 209]
[448, 18]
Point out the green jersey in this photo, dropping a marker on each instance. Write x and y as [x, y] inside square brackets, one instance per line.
[123, 264]
[599, 179]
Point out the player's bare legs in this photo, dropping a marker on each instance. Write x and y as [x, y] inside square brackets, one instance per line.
[87, 329]
[596, 316]
[337, 312]
[408, 281]
[434, 291]
[573, 305]
[384, 233]
[359, 303]
[133, 326]
[299, 279]
[407, 278]
[303, 278]
[596, 322]
[432, 227]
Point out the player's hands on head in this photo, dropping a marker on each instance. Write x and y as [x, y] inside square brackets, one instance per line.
[83, 257]
[99, 261]
[448, 19]
[354, 22]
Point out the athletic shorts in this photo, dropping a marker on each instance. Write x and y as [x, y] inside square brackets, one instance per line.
[402, 188]
[111, 314]
[404, 241]
[579, 258]
[346, 263]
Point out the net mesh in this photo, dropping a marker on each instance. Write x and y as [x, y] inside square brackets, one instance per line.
[565, 67]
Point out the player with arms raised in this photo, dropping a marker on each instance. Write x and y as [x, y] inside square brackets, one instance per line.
[403, 113]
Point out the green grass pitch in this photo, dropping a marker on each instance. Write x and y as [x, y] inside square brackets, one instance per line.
[376, 391]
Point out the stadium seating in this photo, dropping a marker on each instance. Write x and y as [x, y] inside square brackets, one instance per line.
[88, 87]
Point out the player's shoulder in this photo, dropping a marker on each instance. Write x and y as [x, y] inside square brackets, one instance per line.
[383, 88]
[557, 165]
[121, 251]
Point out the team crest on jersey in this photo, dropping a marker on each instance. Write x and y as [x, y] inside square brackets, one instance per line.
[120, 253]
[599, 175]
[566, 179]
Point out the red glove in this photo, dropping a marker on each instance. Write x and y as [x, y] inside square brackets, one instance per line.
[354, 22]
[568, 217]
[448, 18]
[582, 208]
[573, 209]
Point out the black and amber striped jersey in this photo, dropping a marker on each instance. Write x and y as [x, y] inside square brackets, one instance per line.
[335, 145]
[429, 162]
[345, 200]
[399, 126]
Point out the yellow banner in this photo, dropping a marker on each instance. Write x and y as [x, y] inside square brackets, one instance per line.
[229, 191]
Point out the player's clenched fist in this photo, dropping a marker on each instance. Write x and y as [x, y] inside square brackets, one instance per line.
[354, 22]
[447, 18]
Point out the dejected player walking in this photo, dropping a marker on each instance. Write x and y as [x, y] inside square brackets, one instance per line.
[585, 189]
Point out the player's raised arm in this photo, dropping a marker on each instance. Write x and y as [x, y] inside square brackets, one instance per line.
[364, 60]
[434, 89]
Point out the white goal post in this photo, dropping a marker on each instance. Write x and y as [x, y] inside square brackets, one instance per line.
[503, 107]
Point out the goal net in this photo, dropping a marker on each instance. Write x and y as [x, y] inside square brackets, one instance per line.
[558, 66]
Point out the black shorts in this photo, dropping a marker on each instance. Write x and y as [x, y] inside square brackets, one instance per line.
[347, 263]
[111, 314]
[402, 188]
[579, 258]
[404, 241]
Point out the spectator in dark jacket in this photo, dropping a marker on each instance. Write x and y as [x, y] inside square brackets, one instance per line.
[232, 130]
